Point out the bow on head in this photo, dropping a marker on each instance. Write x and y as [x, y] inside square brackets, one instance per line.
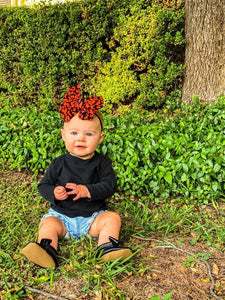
[72, 104]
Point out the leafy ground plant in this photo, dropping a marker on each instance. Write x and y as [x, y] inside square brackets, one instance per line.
[162, 155]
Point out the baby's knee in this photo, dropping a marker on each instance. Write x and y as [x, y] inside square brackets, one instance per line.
[113, 217]
[49, 221]
[52, 223]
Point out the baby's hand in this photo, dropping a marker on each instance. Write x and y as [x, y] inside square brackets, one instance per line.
[60, 193]
[80, 190]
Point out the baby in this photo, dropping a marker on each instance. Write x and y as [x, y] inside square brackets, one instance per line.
[77, 184]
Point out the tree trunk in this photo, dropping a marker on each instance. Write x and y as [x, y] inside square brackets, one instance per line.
[205, 50]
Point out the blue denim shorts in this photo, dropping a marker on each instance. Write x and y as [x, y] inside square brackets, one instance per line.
[75, 227]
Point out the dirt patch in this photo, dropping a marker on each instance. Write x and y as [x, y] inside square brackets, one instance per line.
[172, 270]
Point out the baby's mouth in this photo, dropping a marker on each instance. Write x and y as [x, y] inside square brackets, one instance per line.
[80, 147]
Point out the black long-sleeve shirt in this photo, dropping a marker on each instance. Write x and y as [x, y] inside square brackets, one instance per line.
[95, 173]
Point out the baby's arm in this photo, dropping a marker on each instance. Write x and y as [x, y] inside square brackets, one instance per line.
[80, 190]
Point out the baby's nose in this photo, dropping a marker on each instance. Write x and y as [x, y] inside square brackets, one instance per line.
[80, 137]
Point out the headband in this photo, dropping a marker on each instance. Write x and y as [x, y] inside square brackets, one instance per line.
[86, 109]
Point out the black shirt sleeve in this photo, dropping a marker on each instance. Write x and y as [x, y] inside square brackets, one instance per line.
[50, 181]
[106, 186]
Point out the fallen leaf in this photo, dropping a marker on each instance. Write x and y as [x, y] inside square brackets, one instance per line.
[215, 269]
[181, 268]
[98, 295]
[194, 270]
[14, 289]
[204, 246]
[138, 227]
[152, 256]
[98, 267]
[15, 256]
[217, 286]
[205, 279]
[68, 267]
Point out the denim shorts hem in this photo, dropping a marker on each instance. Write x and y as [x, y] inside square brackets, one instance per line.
[75, 227]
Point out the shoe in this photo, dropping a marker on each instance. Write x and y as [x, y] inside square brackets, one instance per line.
[111, 251]
[41, 254]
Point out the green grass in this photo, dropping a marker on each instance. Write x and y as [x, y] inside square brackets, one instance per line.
[21, 208]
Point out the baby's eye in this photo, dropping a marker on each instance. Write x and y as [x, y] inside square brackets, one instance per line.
[74, 133]
[89, 134]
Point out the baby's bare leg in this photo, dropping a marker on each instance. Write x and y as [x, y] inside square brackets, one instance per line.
[107, 227]
[43, 253]
[106, 224]
[51, 228]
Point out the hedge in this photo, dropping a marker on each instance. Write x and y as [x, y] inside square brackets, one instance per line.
[126, 51]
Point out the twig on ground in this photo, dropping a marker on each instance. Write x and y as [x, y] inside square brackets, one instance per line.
[172, 246]
[36, 291]
[44, 293]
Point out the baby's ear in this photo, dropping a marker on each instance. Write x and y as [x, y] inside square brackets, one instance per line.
[101, 137]
[63, 134]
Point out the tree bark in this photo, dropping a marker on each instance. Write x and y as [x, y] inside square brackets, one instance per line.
[205, 50]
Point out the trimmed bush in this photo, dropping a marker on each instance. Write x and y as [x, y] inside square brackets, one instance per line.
[147, 64]
[126, 51]
[46, 49]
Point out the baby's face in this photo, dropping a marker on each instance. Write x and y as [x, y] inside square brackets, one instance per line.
[82, 137]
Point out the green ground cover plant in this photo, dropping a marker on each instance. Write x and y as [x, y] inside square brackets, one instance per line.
[159, 155]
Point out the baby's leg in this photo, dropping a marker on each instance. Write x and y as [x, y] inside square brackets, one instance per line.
[107, 227]
[43, 253]
[53, 229]
[106, 224]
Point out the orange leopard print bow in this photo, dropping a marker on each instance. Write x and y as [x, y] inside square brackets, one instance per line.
[72, 104]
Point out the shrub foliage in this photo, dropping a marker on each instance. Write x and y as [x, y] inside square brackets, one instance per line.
[126, 51]
[146, 65]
